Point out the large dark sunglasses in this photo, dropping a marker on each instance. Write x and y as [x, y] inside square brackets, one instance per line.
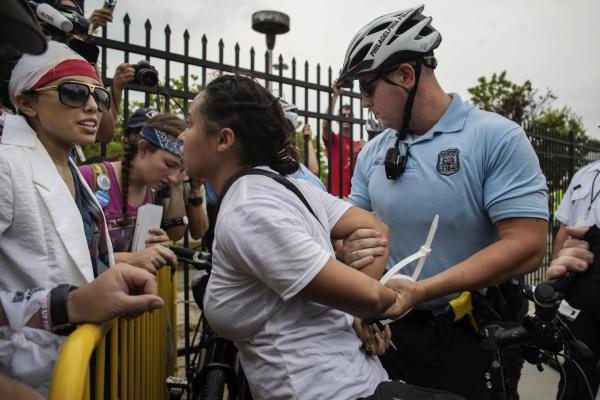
[367, 87]
[76, 94]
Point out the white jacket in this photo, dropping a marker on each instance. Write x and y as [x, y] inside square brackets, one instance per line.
[42, 241]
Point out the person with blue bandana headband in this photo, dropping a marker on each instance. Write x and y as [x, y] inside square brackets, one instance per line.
[440, 155]
[151, 161]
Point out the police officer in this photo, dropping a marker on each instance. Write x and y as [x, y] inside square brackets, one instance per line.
[442, 156]
[580, 206]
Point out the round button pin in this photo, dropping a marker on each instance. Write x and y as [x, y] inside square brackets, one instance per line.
[102, 197]
[103, 182]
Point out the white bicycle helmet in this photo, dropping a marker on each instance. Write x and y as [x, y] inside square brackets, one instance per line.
[290, 111]
[390, 40]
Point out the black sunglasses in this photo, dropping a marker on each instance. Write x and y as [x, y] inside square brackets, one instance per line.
[76, 94]
[367, 86]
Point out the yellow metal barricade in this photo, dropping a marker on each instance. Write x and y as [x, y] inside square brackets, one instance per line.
[132, 358]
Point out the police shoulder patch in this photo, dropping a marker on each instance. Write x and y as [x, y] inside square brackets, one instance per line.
[448, 162]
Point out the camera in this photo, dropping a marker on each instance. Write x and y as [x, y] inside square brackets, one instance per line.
[145, 74]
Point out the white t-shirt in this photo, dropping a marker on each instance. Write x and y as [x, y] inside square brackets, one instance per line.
[267, 248]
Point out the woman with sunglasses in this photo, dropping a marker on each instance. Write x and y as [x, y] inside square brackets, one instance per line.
[151, 161]
[276, 288]
[52, 229]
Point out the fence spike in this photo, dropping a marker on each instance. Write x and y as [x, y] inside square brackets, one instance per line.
[186, 34]
[126, 19]
[168, 30]
[148, 25]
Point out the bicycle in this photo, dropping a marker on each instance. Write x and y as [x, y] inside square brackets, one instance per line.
[215, 364]
[541, 337]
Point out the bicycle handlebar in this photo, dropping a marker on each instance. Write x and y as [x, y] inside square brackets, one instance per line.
[542, 329]
[201, 260]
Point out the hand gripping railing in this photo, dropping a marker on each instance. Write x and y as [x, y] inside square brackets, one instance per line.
[132, 358]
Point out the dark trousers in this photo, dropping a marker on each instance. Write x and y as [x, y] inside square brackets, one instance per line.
[445, 356]
[586, 328]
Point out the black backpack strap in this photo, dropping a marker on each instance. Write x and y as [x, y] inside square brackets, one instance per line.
[276, 177]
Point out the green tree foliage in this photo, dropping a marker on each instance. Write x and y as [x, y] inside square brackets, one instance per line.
[563, 121]
[556, 134]
[520, 103]
[323, 167]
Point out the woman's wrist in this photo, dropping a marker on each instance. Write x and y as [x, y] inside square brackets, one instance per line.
[123, 257]
[395, 309]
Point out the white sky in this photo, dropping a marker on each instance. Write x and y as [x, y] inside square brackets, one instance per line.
[553, 43]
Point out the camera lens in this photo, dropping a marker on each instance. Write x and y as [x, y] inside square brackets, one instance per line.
[145, 74]
[148, 77]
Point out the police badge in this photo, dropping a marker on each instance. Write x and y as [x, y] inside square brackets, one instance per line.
[448, 162]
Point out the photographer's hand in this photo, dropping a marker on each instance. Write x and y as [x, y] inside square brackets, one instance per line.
[100, 17]
[123, 75]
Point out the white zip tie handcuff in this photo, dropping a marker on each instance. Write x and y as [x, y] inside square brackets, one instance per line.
[420, 255]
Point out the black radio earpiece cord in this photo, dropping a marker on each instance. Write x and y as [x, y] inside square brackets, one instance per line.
[395, 160]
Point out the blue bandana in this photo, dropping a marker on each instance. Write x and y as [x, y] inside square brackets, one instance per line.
[162, 140]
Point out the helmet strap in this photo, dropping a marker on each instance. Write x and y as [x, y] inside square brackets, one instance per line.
[405, 130]
[395, 160]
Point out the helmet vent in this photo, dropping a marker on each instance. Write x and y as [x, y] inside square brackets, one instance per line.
[360, 56]
[378, 28]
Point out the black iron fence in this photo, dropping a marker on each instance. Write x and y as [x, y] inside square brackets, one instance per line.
[309, 87]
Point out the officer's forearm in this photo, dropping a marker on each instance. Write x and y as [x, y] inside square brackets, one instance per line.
[520, 250]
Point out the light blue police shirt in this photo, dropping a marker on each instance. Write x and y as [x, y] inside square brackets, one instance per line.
[473, 168]
[304, 173]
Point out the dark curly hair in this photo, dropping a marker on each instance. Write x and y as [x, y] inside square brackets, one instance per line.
[255, 116]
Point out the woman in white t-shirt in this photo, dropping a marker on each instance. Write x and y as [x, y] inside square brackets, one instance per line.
[276, 288]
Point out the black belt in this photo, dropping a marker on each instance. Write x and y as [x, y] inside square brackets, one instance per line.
[436, 318]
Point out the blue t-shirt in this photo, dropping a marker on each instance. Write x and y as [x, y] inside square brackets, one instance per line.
[473, 168]
[304, 173]
[212, 197]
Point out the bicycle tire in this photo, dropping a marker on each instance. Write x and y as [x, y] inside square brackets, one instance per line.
[214, 387]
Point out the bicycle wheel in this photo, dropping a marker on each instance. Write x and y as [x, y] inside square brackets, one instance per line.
[214, 387]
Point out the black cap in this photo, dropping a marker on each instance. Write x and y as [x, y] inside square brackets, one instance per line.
[140, 117]
[19, 27]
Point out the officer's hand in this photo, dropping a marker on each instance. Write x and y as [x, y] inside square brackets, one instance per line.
[374, 341]
[408, 294]
[121, 291]
[574, 256]
[361, 247]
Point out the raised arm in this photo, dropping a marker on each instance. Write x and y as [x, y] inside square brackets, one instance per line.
[326, 124]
